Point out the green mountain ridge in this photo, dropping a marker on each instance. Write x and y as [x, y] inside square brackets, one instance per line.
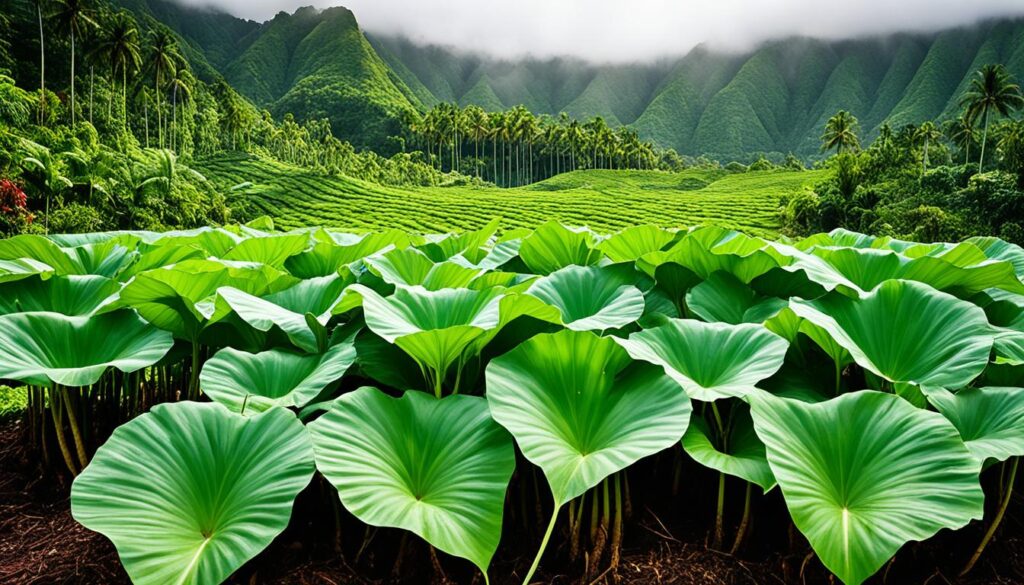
[774, 98]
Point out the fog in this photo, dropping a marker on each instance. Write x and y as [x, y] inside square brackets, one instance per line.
[633, 30]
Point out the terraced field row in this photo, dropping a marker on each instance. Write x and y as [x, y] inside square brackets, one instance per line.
[604, 200]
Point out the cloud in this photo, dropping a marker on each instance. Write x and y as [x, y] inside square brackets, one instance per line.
[631, 30]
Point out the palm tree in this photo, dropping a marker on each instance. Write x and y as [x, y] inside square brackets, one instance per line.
[119, 46]
[45, 172]
[181, 83]
[73, 16]
[963, 133]
[841, 133]
[163, 58]
[991, 90]
[40, 4]
[926, 133]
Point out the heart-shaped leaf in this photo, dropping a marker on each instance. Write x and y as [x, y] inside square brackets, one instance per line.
[581, 410]
[259, 381]
[436, 467]
[189, 492]
[990, 420]
[907, 333]
[710, 360]
[590, 298]
[39, 348]
[866, 472]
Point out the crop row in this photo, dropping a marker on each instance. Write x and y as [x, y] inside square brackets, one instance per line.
[295, 198]
[872, 381]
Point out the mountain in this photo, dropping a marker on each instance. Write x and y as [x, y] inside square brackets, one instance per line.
[774, 98]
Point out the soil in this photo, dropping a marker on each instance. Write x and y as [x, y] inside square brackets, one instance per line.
[40, 543]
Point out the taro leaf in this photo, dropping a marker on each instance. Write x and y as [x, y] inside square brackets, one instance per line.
[990, 420]
[724, 298]
[581, 410]
[869, 267]
[15, 269]
[189, 492]
[590, 298]
[39, 348]
[866, 472]
[411, 267]
[997, 249]
[433, 327]
[907, 333]
[271, 378]
[743, 454]
[270, 250]
[633, 242]
[710, 360]
[553, 246]
[436, 467]
[301, 311]
[68, 295]
[171, 297]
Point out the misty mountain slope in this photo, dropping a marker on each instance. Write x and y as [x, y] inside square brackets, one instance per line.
[318, 64]
[774, 97]
[482, 95]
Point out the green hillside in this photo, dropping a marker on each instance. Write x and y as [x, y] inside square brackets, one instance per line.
[772, 99]
[605, 200]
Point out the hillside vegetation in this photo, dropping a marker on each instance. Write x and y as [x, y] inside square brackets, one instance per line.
[606, 200]
[772, 99]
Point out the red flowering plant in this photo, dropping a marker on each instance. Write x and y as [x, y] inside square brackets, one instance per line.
[14, 213]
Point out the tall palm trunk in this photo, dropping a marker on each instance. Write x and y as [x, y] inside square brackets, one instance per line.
[72, 78]
[174, 119]
[159, 117]
[42, 67]
[494, 159]
[124, 98]
[984, 139]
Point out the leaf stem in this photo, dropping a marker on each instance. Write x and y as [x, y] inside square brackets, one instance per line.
[543, 545]
[995, 522]
[742, 530]
[720, 512]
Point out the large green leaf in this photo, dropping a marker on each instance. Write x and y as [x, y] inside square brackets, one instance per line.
[990, 420]
[866, 472]
[39, 348]
[635, 241]
[272, 378]
[870, 267]
[590, 298]
[433, 327]
[553, 246]
[724, 298]
[301, 311]
[581, 410]
[411, 267]
[436, 467]
[171, 297]
[68, 295]
[271, 250]
[907, 333]
[189, 492]
[742, 455]
[710, 360]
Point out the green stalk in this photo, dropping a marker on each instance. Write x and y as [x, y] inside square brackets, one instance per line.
[839, 376]
[998, 519]
[58, 427]
[76, 432]
[543, 545]
[720, 512]
[742, 530]
[617, 523]
[193, 383]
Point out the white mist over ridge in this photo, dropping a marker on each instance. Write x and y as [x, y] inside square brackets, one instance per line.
[633, 30]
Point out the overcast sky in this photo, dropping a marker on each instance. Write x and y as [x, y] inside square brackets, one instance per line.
[629, 30]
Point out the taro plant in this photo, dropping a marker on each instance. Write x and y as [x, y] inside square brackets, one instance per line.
[582, 411]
